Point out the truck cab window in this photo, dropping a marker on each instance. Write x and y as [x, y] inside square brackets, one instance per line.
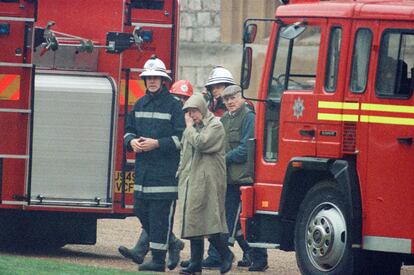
[295, 62]
[332, 59]
[148, 4]
[360, 60]
[294, 68]
[395, 69]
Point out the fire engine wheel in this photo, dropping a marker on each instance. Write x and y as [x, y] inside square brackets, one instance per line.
[322, 240]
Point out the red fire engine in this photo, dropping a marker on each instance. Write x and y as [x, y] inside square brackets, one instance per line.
[333, 143]
[68, 75]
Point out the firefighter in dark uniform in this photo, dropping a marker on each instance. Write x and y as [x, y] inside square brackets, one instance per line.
[181, 90]
[153, 131]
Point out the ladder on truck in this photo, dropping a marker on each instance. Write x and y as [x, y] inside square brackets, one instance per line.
[16, 97]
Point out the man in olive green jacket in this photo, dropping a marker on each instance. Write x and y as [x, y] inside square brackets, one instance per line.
[238, 124]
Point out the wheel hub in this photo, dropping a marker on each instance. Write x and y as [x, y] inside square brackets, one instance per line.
[326, 237]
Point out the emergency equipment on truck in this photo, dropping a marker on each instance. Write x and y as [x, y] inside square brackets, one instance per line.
[68, 76]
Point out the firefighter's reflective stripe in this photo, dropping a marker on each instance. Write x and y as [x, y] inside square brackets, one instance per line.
[136, 90]
[155, 189]
[361, 117]
[9, 87]
[165, 116]
[164, 246]
[129, 134]
[176, 142]
[159, 246]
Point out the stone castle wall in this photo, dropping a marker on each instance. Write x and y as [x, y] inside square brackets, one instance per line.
[210, 35]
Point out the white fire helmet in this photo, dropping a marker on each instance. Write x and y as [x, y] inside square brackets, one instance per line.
[155, 67]
[219, 75]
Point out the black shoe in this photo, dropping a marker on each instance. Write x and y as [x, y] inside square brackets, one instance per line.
[174, 254]
[152, 266]
[130, 254]
[227, 263]
[258, 266]
[209, 263]
[246, 260]
[191, 270]
[185, 263]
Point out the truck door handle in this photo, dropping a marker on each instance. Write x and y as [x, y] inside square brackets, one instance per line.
[405, 140]
[307, 133]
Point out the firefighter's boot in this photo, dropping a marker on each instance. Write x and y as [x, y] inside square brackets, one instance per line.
[157, 262]
[137, 254]
[227, 257]
[247, 259]
[197, 251]
[174, 249]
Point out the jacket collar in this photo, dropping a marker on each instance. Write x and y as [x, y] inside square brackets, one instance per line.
[157, 98]
[238, 112]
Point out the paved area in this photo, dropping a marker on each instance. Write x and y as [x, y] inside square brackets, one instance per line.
[112, 233]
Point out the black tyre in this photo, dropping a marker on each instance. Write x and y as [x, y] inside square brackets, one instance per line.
[322, 233]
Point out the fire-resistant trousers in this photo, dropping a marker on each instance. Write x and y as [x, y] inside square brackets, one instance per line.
[157, 219]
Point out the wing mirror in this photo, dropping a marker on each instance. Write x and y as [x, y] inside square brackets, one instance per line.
[250, 32]
[246, 68]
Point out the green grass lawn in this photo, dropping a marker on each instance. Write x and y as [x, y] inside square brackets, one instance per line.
[10, 265]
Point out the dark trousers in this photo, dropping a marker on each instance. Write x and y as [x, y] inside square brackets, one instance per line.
[232, 204]
[157, 219]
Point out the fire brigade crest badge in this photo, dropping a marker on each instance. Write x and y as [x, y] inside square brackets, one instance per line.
[298, 108]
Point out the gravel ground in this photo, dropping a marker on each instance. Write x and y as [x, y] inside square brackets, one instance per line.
[112, 233]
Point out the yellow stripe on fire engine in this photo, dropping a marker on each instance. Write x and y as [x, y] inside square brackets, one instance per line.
[387, 108]
[338, 105]
[388, 120]
[337, 117]
[136, 90]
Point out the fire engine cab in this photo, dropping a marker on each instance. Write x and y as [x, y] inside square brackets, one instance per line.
[68, 76]
[333, 150]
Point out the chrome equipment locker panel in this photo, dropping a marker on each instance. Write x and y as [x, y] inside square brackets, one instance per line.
[72, 139]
